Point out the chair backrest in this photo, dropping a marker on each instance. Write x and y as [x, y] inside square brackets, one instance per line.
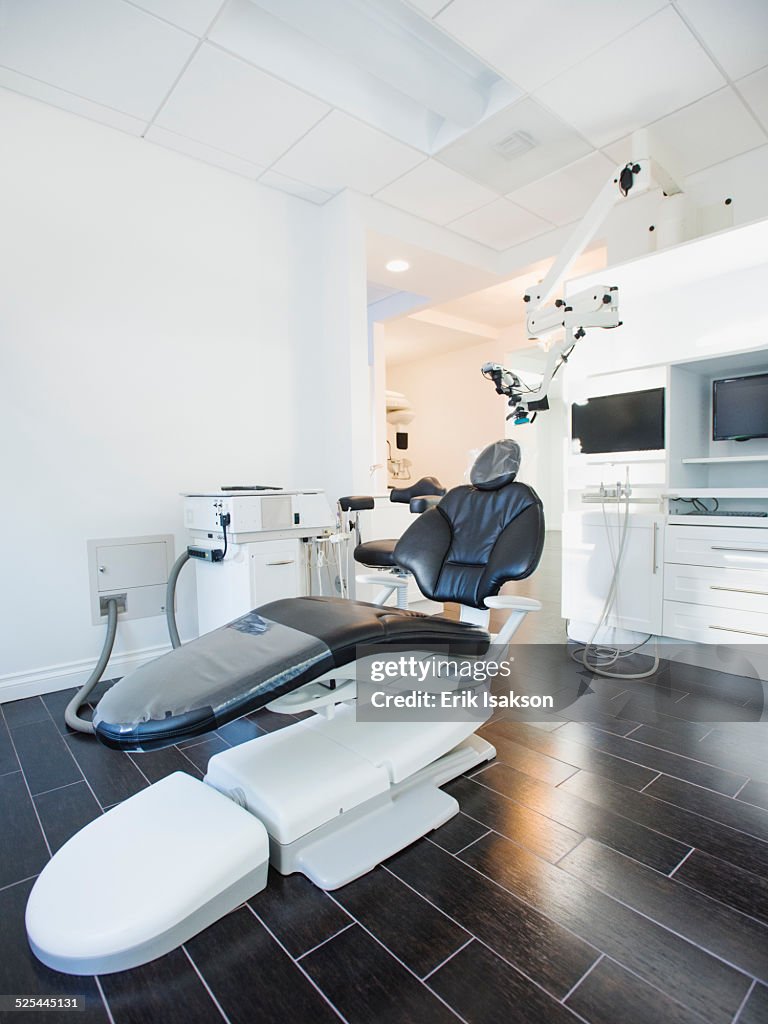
[474, 541]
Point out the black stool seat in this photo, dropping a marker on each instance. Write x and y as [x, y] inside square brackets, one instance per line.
[376, 554]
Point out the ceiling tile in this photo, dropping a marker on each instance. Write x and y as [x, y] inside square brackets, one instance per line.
[553, 145]
[106, 51]
[534, 42]
[705, 133]
[342, 152]
[620, 88]
[193, 15]
[735, 31]
[565, 196]
[500, 225]
[429, 7]
[754, 89]
[295, 188]
[225, 103]
[180, 143]
[68, 101]
[436, 193]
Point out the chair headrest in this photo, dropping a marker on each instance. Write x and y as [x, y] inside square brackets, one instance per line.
[496, 466]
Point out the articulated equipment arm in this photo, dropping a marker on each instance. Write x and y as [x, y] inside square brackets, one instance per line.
[560, 323]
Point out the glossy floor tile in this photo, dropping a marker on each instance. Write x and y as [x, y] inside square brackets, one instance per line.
[609, 867]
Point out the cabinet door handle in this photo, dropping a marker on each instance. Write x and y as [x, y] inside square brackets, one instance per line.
[747, 632]
[654, 561]
[724, 547]
[740, 590]
[284, 561]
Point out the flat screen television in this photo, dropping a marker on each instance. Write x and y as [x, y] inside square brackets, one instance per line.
[629, 422]
[740, 408]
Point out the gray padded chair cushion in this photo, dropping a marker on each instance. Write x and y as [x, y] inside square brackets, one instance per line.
[255, 659]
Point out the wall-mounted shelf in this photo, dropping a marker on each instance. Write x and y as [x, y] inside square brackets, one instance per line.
[710, 460]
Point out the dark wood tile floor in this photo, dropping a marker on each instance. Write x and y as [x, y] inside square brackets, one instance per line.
[609, 867]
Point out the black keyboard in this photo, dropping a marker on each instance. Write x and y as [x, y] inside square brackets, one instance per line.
[251, 487]
[751, 515]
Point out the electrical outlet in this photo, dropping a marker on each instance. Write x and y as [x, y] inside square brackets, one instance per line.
[104, 603]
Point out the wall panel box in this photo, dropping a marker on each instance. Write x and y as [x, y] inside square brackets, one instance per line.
[133, 569]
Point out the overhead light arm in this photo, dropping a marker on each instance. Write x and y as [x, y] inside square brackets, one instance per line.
[594, 307]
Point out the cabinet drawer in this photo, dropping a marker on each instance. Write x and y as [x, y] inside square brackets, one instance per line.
[741, 589]
[727, 547]
[709, 625]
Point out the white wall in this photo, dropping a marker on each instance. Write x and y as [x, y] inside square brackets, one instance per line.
[157, 318]
[456, 409]
[699, 299]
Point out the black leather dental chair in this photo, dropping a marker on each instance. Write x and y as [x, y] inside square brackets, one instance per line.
[331, 795]
[462, 551]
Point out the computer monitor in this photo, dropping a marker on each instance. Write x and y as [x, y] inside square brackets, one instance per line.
[628, 422]
[740, 408]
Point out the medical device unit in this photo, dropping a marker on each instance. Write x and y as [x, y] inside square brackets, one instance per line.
[560, 323]
[329, 796]
[262, 543]
[252, 544]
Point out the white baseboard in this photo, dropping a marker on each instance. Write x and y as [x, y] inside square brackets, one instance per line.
[17, 685]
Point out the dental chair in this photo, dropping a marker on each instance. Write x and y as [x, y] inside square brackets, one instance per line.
[329, 796]
[380, 554]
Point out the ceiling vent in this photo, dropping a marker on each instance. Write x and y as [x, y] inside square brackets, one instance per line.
[514, 145]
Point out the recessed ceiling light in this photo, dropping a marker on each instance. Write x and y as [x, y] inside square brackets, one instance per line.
[397, 266]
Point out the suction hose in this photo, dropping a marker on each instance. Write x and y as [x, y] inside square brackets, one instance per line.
[170, 598]
[71, 716]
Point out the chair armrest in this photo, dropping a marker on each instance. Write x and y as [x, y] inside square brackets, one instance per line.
[513, 603]
[424, 501]
[356, 502]
[517, 608]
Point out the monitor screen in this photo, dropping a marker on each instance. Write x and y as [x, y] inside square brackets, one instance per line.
[630, 422]
[740, 408]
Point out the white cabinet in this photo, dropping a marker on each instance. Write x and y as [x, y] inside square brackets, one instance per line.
[250, 576]
[590, 548]
[716, 584]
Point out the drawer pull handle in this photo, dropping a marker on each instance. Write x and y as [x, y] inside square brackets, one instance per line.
[285, 561]
[723, 547]
[740, 590]
[730, 629]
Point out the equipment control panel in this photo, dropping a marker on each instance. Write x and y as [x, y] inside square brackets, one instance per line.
[298, 513]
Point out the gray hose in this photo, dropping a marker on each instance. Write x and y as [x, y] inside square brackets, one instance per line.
[71, 716]
[170, 598]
